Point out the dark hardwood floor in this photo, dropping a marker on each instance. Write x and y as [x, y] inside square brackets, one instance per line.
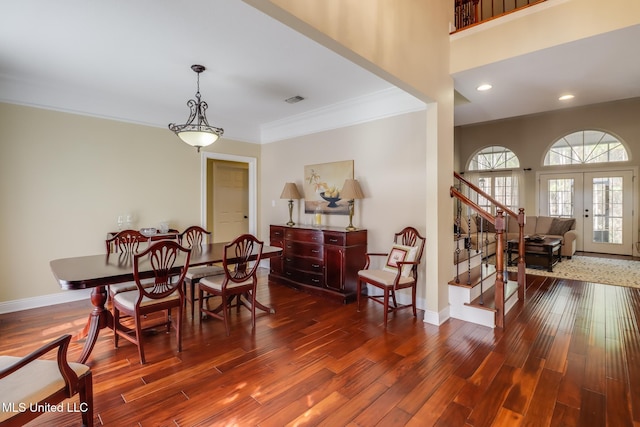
[570, 358]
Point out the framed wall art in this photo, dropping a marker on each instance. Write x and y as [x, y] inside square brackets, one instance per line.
[322, 185]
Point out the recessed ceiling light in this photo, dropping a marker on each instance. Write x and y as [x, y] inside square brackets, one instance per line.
[566, 97]
[484, 87]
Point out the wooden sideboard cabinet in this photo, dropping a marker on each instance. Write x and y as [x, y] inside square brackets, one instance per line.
[320, 260]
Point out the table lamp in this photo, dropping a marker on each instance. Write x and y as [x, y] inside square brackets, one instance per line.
[350, 191]
[290, 191]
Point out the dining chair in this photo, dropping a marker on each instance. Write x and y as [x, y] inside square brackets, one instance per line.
[240, 263]
[125, 244]
[194, 237]
[126, 241]
[28, 384]
[169, 262]
[400, 271]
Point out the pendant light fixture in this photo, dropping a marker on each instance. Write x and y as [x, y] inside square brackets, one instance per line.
[197, 132]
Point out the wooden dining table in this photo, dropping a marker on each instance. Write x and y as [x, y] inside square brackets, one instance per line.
[98, 271]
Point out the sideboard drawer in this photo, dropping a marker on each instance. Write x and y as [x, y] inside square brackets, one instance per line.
[301, 235]
[307, 264]
[302, 249]
[276, 233]
[353, 238]
[338, 239]
[304, 277]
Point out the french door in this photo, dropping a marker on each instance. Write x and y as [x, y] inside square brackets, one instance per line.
[601, 202]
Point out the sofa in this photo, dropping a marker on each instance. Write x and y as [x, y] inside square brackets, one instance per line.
[563, 228]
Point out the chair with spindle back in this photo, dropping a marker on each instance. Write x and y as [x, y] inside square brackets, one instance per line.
[194, 237]
[399, 272]
[240, 263]
[169, 262]
[125, 243]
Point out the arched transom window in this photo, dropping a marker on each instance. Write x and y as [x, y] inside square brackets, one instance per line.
[584, 147]
[492, 158]
[495, 170]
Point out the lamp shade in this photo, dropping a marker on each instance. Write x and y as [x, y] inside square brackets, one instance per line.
[290, 192]
[351, 190]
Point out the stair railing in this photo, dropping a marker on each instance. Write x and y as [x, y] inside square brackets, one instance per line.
[471, 12]
[500, 224]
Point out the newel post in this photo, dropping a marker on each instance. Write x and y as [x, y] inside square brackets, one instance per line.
[522, 277]
[500, 279]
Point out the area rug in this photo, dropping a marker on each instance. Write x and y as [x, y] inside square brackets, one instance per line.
[595, 270]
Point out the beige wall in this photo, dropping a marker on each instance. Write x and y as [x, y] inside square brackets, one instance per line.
[406, 43]
[388, 158]
[65, 178]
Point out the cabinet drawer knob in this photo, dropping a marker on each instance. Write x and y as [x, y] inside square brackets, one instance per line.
[315, 280]
[315, 251]
[333, 240]
[315, 265]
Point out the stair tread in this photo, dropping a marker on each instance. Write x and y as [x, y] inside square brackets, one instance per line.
[471, 278]
[488, 297]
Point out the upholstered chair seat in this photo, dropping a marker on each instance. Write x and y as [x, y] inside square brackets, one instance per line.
[128, 299]
[217, 282]
[28, 383]
[383, 277]
[19, 387]
[204, 271]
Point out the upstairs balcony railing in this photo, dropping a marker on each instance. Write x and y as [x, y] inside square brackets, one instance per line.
[472, 12]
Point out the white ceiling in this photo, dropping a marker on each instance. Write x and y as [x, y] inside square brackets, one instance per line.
[130, 61]
[596, 69]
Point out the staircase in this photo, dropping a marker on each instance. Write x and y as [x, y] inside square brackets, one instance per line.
[472, 291]
[482, 291]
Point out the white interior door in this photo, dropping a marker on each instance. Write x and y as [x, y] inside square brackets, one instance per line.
[601, 203]
[230, 200]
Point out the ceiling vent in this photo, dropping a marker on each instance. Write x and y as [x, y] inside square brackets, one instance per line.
[294, 99]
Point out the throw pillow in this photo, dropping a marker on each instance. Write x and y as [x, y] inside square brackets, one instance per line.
[559, 226]
[400, 253]
[487, 227]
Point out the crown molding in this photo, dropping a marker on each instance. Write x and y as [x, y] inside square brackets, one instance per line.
[386, 103]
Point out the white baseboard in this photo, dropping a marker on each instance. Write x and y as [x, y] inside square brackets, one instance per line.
[436, 318]
[44, 300]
